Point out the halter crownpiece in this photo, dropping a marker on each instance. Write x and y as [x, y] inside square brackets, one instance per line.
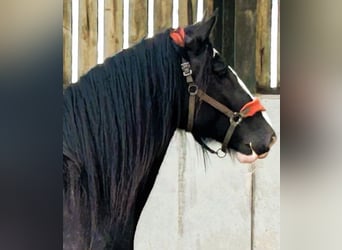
[235, 118]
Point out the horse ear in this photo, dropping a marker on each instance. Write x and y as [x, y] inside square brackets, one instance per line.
[206, 15]
[199, 32]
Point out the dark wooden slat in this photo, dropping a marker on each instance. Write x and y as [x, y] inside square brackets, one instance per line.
[245, 21]
[162, 15]
[194, 11]
[183, 12]
[67, 42]
[208, 6]
[137, 20]
[87, 35]
[194, 4]
[217, 32]
[263, 44]
[208, 9]
[113, 30]
[224, 32]
[228, 32]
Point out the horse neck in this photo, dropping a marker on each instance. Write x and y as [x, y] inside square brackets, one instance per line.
[122, 233]
[136, 115]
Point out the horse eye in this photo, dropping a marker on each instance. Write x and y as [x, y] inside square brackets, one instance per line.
[223, 72]
[220, 69]
[219, 66]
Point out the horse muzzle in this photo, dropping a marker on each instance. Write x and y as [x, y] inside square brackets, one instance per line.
[243, 158]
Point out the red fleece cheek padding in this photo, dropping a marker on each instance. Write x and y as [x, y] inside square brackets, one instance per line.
[178, 36]
[250, 108]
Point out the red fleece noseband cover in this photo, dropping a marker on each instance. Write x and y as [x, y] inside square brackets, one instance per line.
[250, 108]
[178, 36]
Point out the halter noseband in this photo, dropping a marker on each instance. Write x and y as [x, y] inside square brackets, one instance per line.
[235, 118]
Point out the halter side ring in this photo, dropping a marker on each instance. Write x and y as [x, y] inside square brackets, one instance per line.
[193, 89]
[235, 119]
[220, 153]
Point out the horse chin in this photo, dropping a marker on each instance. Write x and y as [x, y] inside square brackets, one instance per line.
[246, 154]
[249, 158]
[243, 158]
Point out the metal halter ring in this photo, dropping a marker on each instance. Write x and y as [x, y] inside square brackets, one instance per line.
[233, 120]
[220, 153]
[193, 89]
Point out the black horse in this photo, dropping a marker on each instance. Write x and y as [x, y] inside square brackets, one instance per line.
[120, 117]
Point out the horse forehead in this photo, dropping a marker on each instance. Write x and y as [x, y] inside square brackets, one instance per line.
[244, 87]
[241, 83]
[215, 52]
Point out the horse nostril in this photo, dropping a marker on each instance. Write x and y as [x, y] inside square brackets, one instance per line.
[259, 149]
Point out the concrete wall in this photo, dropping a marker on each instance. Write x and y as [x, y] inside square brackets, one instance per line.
[193, 207]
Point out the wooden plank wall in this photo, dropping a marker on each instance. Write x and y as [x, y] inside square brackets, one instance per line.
[224, 33]
[242, 33]
[183, 12]
[162, 15]
[263, 44]
[113, 28]
[243, 36]
[87, 50]
[66, 42]
[137, 21]
[245, 27]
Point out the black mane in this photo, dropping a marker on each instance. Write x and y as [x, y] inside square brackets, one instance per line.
[118, 121]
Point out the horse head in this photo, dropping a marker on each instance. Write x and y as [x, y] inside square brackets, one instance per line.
[220, 107]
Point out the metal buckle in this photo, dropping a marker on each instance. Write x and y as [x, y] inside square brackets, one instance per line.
[185, 65]
[187, 73]
[193, 89]
[186, 69]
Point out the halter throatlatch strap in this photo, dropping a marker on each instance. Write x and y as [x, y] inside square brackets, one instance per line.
[235, 118]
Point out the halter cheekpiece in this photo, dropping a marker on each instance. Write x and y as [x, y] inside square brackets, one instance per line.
[235, 118]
